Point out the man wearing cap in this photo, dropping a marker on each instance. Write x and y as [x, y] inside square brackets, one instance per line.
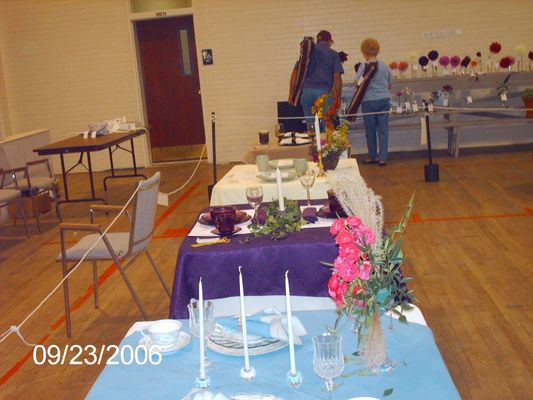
[324, 74]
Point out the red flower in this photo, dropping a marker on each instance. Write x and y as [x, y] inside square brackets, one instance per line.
[337, 226]
[444, 61]
[393, 65]
[506, 62]
[345, 237]
[365, 269]
[403, 65]
[455, 61]
[349, 251]
[478, 54]
[336, 289]
[495, 47]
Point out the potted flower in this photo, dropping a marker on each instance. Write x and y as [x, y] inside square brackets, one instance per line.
[527, 96]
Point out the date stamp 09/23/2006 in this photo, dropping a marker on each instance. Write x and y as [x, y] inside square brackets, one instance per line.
[75, 354]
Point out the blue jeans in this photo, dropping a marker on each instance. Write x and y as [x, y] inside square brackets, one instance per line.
[309, 96]
[377, 124]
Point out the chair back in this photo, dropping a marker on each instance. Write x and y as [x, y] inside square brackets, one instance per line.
[143, 214]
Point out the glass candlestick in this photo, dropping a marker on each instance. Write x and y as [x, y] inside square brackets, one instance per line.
[294, 380]
[321, 172]
[248, 374]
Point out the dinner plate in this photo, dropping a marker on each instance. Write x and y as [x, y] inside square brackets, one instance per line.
[363, 398]
[281, 164]
[271, 177]
[254, 396]
[183, 340]
[224, 341]
[240, 217]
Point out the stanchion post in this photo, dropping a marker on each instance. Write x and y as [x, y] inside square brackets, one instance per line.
[214, 155]
[431, 171]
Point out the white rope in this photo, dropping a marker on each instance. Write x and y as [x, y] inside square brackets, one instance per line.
[16, 328]
[483, 109]
[192, 175]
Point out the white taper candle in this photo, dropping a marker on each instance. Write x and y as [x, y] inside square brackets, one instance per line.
[201, 329]
[280, 191]
[317, 133]
[289, 323]
[243, 324]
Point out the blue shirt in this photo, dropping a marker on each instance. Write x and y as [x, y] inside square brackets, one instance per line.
[324, 63]
[378, 88]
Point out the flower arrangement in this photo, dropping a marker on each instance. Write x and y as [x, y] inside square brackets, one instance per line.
[506, 62]
[393, 65]
[366, 277]
[402, 67]
[423, 61]
[279, 224]
[335, 144]
[444, 61]
[465, 62]
[326, 108]
[412, 56]
[530, 56]
[433, 55]
[495, 48]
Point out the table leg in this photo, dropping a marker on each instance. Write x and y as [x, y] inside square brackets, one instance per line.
[133, 157]
[91, 174]
[65, 187]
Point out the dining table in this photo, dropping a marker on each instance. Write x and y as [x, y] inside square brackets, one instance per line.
[263, 260]
[420, 371]
[231, 189]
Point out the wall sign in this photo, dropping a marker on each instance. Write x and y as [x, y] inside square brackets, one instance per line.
[207, 56]
[443, 33]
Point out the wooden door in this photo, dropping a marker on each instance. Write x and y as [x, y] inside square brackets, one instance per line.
[171, 87]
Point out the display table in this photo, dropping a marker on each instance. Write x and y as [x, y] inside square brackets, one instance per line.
[231, 189]
[277, 152]
[420, 374]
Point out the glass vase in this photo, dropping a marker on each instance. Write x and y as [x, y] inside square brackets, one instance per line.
[374, 354]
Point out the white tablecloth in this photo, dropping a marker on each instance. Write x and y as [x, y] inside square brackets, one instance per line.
[231, 189]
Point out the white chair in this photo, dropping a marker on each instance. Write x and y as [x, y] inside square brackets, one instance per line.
[11, 195]
[116, 246]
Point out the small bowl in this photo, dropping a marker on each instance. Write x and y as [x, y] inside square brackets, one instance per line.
[222, 211]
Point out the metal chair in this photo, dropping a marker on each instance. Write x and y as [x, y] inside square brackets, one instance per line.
[31, 184]
[116, 246]
[11, 195]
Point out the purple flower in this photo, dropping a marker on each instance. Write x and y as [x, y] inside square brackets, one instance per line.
[530, 55]
[455, 61]
[478, 54]
[444, 61]
[447, 88]
[423, 61]
[433, 55]
[465, 61]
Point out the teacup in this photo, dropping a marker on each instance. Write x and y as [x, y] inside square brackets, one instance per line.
[214, 212]
[164, 333]
[225, 224]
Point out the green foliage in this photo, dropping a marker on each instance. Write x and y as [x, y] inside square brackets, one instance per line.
[279, 224]
[387, 392]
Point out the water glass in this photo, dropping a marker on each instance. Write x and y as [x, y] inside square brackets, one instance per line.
[209, 323]
[328, 358]
[254, 195]
[308, 180]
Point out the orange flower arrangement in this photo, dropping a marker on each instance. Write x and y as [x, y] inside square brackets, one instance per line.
[326, 108]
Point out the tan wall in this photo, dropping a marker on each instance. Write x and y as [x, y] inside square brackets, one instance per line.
[5, 124]
[255, 44]
[67, 63]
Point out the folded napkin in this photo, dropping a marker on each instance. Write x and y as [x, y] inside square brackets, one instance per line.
[309, 214]
[295, 134]
[289, 141]
[261, 217]
[200, 394]
[267, 323]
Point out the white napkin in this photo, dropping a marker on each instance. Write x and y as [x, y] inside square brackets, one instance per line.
[199, 240]
[296, 134]
[200, 394]
[278, 325]
[288, 141]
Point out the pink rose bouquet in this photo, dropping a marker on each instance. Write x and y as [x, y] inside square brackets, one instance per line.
[366, 275]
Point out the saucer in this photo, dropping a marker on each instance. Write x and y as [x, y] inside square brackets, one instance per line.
[183, 340]
[235, 230]
[240, 217]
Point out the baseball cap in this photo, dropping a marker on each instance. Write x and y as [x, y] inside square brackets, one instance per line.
[324, 35]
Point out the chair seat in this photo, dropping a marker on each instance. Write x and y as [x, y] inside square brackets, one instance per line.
[38, 182]
[7, 195]
[119, 242]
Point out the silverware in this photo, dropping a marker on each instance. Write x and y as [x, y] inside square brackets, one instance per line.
[223, 240]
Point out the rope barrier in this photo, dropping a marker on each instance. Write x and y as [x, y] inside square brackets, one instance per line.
[393, 110]
[16, 328]
[193, 173]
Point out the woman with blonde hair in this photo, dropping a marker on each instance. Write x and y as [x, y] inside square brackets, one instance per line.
[376, 101]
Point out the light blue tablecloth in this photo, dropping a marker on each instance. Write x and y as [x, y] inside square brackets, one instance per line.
[420, 374]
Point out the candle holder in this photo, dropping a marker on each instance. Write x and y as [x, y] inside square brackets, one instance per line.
[321, 172]
[294, 380]
[248, 374]
[202, 382]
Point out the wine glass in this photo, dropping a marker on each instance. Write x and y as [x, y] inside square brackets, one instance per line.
[328, 359]
[254, 195]
[308, 180]
[209, 323]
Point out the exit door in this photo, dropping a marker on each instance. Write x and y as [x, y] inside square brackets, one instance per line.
[171, 87]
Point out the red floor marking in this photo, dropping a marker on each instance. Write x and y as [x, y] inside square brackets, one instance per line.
[173, 233]
[417, 218]
[90, 290]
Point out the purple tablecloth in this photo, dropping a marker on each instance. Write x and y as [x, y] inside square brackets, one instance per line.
[264, 264]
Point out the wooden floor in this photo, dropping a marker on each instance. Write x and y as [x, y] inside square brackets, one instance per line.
[469, 248]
